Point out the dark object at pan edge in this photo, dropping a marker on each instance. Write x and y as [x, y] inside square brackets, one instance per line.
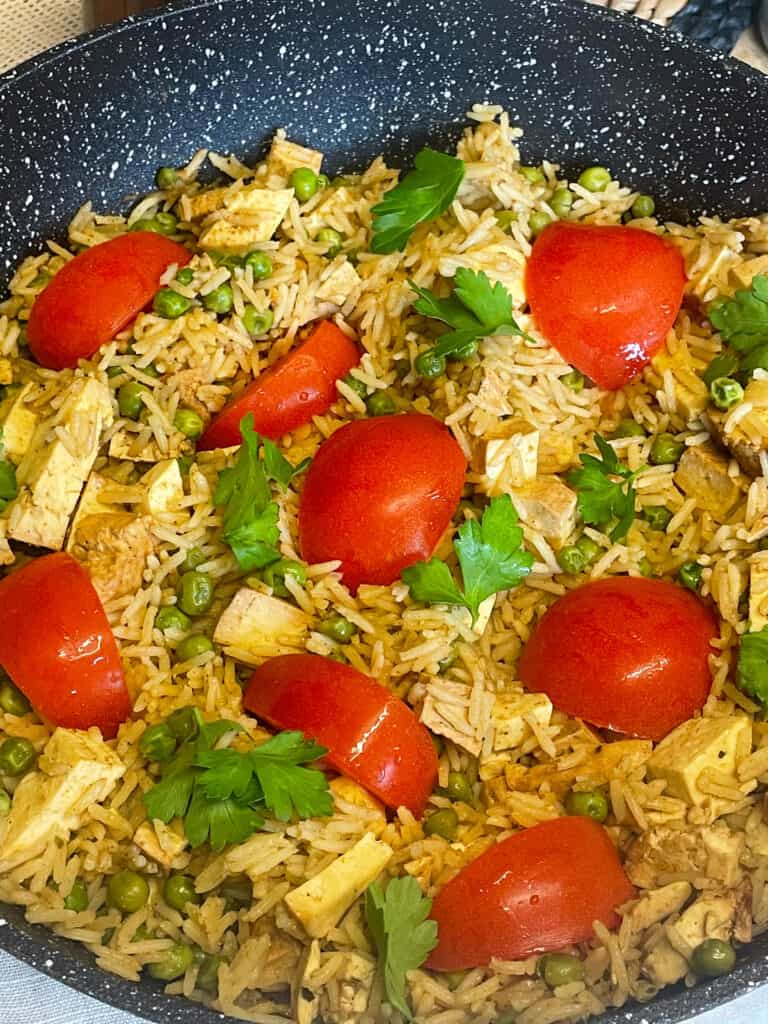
[94, 118]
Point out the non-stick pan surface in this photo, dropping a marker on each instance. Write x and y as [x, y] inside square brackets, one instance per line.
[93, 119]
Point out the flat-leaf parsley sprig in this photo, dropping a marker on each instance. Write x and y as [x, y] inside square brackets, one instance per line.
[606, 490]
[491, 557]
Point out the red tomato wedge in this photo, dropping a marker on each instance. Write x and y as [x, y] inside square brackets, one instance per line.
[535, 892]
[604, 296]
[379, 495]
[97, 294]
[58, 648]
[290, 392]
[626, 653]
[371, 735]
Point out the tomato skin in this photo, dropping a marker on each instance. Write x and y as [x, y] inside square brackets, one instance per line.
[58, 648]
[300, 385]
[535, 892]
[371, 735]
[379, 495]
[97, 294]
[627, 654]
[604, 296]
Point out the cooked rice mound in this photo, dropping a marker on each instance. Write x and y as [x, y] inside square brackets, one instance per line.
[701, 866]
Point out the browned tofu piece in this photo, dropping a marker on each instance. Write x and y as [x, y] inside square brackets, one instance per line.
[702, 473]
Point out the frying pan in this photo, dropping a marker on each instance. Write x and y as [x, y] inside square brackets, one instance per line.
[92, 119]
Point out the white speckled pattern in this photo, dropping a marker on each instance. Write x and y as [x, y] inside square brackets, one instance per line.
[95, 118]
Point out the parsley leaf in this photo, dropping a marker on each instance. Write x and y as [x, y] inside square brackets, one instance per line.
[743, 319]
[397, 920]
[476, 309]
[9, 487]
[490, 556]
[424, 193]
[601, 497]
[222, 794]
[752, 667]
[250, 516]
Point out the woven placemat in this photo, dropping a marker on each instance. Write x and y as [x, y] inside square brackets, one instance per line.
[31, 26]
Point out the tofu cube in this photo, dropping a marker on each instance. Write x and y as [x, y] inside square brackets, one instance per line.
[75, 770]
[320, 903]
[164, 489]
[256, 626]
[509, 714]
[758, 591]
[658, 904]
[160, 842]
[338, 285]
[18, 423]
[709, 917]
[548, 506]
[91, 504]
[557, 452]
[346, 790]
[285, 157]
[248, 216]
[702, 473]
[511, 462]
[699, 743]
[445, 711]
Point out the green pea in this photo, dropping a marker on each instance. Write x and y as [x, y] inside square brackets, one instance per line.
[168, 222]
[713, 958]
[146, 224]
[721, 366]
[170, 304]
[171, 617]
[334, 239]
[192, 646]
[379, 404]
[219, 300]
[595, 179]
[17, 756]
[689, 574]
[208, 974]
[12, 700]
[589, 548]
[587, 804]
[643, 206]
[726, 392]
[442, 823]
[129, 399]
[115, 371]
[5, 803]
[571, 560]
[127, 891]
[532, 174]
[185, 276]
[274, 575]
[157, 743]
[560, 969]
[167, 177]
[150, 370]
[459, 788]
[179, 890]
[189, 423]
[537, 221]
[338, 628]
[195, 593]
[573, 380]
[657, 516]
[77, 899]
[464, 351]
[645, 568]
[304, 183]
[323, 181]
[561, 202]
[505, 218]
[260, 264]
[629, 428]
[357, 385]
[665, 450]
[226, 259]
[430, 364]
[257, 323]
[176, 961]
[184, 724]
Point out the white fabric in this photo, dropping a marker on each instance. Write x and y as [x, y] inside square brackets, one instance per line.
[29, 26]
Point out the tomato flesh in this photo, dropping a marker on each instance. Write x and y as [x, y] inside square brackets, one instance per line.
[538, 891]
[371, 735]
[379, 495]
[625, 653]
[290, 392]
[97, 294]
[58, 648]
[604, 296]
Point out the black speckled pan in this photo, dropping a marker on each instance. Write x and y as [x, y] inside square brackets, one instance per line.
[94, 118]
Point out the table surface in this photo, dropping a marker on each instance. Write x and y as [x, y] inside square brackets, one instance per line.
[27, 996]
